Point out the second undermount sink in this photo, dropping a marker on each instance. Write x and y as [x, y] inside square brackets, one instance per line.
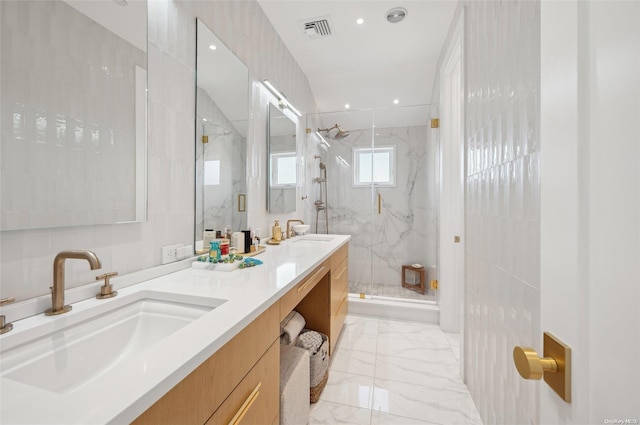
[313, 238]
[62, 358]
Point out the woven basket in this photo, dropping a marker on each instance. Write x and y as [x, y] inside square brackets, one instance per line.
[315, 392]
[319, 368]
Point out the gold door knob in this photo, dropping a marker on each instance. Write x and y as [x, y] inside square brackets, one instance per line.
[532, 366]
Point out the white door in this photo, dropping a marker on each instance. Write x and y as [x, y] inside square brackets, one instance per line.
[590, 205]
[452, 178]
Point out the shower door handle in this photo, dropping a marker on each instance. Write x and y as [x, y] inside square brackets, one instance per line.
[379, 203]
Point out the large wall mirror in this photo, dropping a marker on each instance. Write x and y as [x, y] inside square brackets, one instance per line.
[73, 113]
[281, 162]
[222, 111]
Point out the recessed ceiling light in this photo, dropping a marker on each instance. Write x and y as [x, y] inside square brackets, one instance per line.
[359, 21]
[396, 101]
[347, 106]
[212, 46]
[396, 14]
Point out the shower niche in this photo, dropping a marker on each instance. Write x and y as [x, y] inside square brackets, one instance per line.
[373, 174]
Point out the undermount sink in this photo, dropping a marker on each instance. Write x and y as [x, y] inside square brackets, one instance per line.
[61, 356]
[313, 238]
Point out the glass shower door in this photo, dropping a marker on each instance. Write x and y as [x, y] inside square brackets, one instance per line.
[344, 208]
[380, 185]
[403, 254]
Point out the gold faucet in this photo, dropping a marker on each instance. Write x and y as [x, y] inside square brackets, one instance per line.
[290, 232]
[4, 326]
[57, 291]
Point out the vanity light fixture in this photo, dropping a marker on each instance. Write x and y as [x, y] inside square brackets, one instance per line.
[396, 101]
[282, 99]
[347, 106]
[359, 21]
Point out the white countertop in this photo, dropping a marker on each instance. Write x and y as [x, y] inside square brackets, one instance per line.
[138, 381]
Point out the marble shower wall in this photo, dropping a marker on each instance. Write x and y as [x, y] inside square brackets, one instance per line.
[404, 231]
[502, 204]
[27, 256]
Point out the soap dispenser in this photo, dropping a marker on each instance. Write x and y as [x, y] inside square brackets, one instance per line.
[276, 232]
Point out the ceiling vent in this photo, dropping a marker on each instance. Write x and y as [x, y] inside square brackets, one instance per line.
[317, 27]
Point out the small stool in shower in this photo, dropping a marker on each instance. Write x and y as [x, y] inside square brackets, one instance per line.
[413, 278]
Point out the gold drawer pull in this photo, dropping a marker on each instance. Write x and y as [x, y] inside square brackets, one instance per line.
[341, 273]
[313, 278]
[246, 405]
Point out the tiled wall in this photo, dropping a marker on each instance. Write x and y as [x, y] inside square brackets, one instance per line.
[502, 209]
[27, 256]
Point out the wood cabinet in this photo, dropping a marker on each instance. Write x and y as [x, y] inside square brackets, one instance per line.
[240, 382]
[255, 399]
[324, 305]
[339, 293]
[203, 391]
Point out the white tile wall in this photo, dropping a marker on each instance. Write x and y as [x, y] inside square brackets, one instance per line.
[502, 204]
[26, 257]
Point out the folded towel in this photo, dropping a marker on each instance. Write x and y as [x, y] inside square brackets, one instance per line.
[290, 327]
[310, 340]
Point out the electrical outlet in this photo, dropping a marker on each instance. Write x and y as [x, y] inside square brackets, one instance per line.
[184, 252]
[170, 253]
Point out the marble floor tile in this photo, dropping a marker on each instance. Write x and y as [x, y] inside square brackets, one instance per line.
[361, 324]
[348, 389]
[418, 350]
[352, 361]
[414, 331]
[324, 412]
[354, 340]
[426, 372]
[381, 418]
[423, 403]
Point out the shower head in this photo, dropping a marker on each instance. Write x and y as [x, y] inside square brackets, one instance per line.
[340, 134]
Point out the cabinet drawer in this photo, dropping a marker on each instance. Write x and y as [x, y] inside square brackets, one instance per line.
[256, 398]
[339, 283]
[337, 321]
[296, 294]
[194, 399]
[339, 255]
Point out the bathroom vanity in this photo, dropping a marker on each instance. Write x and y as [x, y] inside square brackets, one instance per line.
[221, 367]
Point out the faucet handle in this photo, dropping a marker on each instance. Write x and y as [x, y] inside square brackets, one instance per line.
[106, 291]
[5, 327]
[7, 300]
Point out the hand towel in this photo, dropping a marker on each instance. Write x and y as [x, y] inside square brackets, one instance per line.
[290, 327]
[310, 340]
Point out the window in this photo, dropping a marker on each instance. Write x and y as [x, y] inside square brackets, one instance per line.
[374, 165]
[283, 169]
[212, 173]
